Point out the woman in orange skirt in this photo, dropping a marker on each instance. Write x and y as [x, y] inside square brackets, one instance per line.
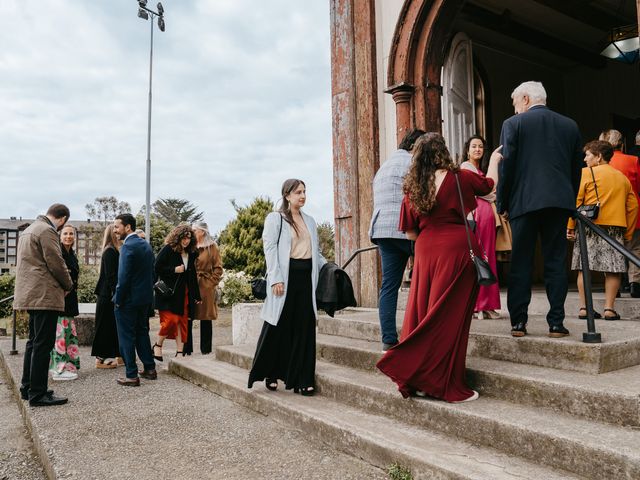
[176, 267]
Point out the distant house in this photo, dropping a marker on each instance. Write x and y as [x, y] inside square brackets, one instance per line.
[87, 247]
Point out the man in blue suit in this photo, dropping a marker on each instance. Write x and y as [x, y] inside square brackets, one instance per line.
[132, 300]
[539, 181]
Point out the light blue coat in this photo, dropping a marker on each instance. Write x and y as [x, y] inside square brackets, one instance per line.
[277, 257]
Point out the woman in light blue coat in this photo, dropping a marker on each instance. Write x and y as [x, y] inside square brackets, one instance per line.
[287, 345]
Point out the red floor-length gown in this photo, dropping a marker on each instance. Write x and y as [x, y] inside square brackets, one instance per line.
[433, 344]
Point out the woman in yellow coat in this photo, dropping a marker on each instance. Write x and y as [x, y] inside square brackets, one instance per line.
[618, 214]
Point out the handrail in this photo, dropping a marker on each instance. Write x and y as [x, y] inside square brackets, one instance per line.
[591, 336]
[358, 252]
[13, 350]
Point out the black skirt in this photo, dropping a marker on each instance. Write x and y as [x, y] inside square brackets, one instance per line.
[288, 351]
[105, 342]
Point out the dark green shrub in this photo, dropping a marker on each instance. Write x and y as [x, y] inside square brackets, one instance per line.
[87, 283]
[241, 240]
[7, 282]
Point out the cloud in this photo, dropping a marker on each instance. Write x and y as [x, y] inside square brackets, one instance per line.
[241, 101]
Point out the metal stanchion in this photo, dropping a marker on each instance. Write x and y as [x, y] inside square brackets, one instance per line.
[13, 350]
[590, 336]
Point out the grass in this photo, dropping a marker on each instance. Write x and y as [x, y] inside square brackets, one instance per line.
[398, 472]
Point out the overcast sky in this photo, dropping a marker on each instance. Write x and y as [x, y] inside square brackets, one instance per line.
[241, 101]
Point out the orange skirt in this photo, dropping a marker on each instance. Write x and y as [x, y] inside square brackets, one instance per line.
[172, 323]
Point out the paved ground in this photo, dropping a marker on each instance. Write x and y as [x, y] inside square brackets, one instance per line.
[165, 429]
[18, 459]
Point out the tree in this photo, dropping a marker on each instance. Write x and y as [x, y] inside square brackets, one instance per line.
[326, 239]
[176, 211]
[241, 240]
[105, 209]
[160, 228]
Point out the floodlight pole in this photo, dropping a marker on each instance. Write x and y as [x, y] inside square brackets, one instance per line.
[142, 8]
[147, 213]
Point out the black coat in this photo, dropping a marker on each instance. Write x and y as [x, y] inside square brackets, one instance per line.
[165, 268]
[542, 164]
[334, 291]
[71, 300]
[108, 279]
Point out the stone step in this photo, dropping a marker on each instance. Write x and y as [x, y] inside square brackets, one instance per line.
[587, 448]
[610, 397]
[376, 439]
[627, 307]
[492, 339]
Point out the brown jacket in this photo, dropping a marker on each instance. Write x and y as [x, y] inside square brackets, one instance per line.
[209, 270]
[41, 275]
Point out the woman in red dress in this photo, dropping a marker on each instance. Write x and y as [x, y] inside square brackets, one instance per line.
[430, 358]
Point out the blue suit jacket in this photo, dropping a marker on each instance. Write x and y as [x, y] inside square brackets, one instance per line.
[542, 164]
[135, 274]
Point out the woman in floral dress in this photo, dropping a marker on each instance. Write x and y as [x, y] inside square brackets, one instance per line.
[65, 356]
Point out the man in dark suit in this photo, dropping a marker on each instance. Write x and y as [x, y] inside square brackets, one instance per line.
[539, 181]
[132, 300]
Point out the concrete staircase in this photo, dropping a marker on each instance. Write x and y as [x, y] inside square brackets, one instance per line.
[549, 408]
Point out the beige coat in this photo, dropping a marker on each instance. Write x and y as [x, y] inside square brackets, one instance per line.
[41, 274]
[209, 271]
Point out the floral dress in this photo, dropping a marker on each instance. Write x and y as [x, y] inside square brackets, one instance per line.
[65, 354]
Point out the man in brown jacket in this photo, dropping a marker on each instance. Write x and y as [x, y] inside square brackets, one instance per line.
[42, 281]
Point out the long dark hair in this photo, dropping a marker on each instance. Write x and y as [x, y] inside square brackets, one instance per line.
[430, 153]
[177, 234]
[483, 163]
[285, 209]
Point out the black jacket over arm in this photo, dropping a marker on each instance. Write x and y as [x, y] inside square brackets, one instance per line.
[542, 164]
[108, 279]
[165, 268]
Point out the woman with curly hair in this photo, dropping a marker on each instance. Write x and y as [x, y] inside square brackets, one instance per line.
[176, 266]
[430, 358]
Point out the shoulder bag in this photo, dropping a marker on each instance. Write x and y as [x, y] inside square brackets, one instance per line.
[591, 211]
[483, 270]
[259, 284]
[163, 290]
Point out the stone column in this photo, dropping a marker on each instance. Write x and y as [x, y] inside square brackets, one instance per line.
[402, 94]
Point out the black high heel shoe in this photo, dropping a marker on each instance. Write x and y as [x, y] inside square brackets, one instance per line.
[179, 353]
[305, 391]
[271, 384]
[157, 357]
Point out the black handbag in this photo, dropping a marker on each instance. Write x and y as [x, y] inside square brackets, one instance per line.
[483, 270]
[163, 290]
[259, 284]
[591, 211]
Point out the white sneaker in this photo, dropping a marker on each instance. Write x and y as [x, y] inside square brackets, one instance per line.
[64, 376]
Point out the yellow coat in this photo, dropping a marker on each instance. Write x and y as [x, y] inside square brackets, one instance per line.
[618, 204]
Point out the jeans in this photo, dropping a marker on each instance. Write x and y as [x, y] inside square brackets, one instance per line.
[42, 336]
[394, 254]
[133, 335]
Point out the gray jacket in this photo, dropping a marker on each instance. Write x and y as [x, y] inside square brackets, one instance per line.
[387, 196]
[41, 274]
[277, 255]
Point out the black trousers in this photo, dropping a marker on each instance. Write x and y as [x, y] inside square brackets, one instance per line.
[551, 225]
[42, 336]
[206, 335]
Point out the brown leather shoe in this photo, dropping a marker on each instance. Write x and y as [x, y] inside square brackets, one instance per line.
[128, 382]
[148, 374]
